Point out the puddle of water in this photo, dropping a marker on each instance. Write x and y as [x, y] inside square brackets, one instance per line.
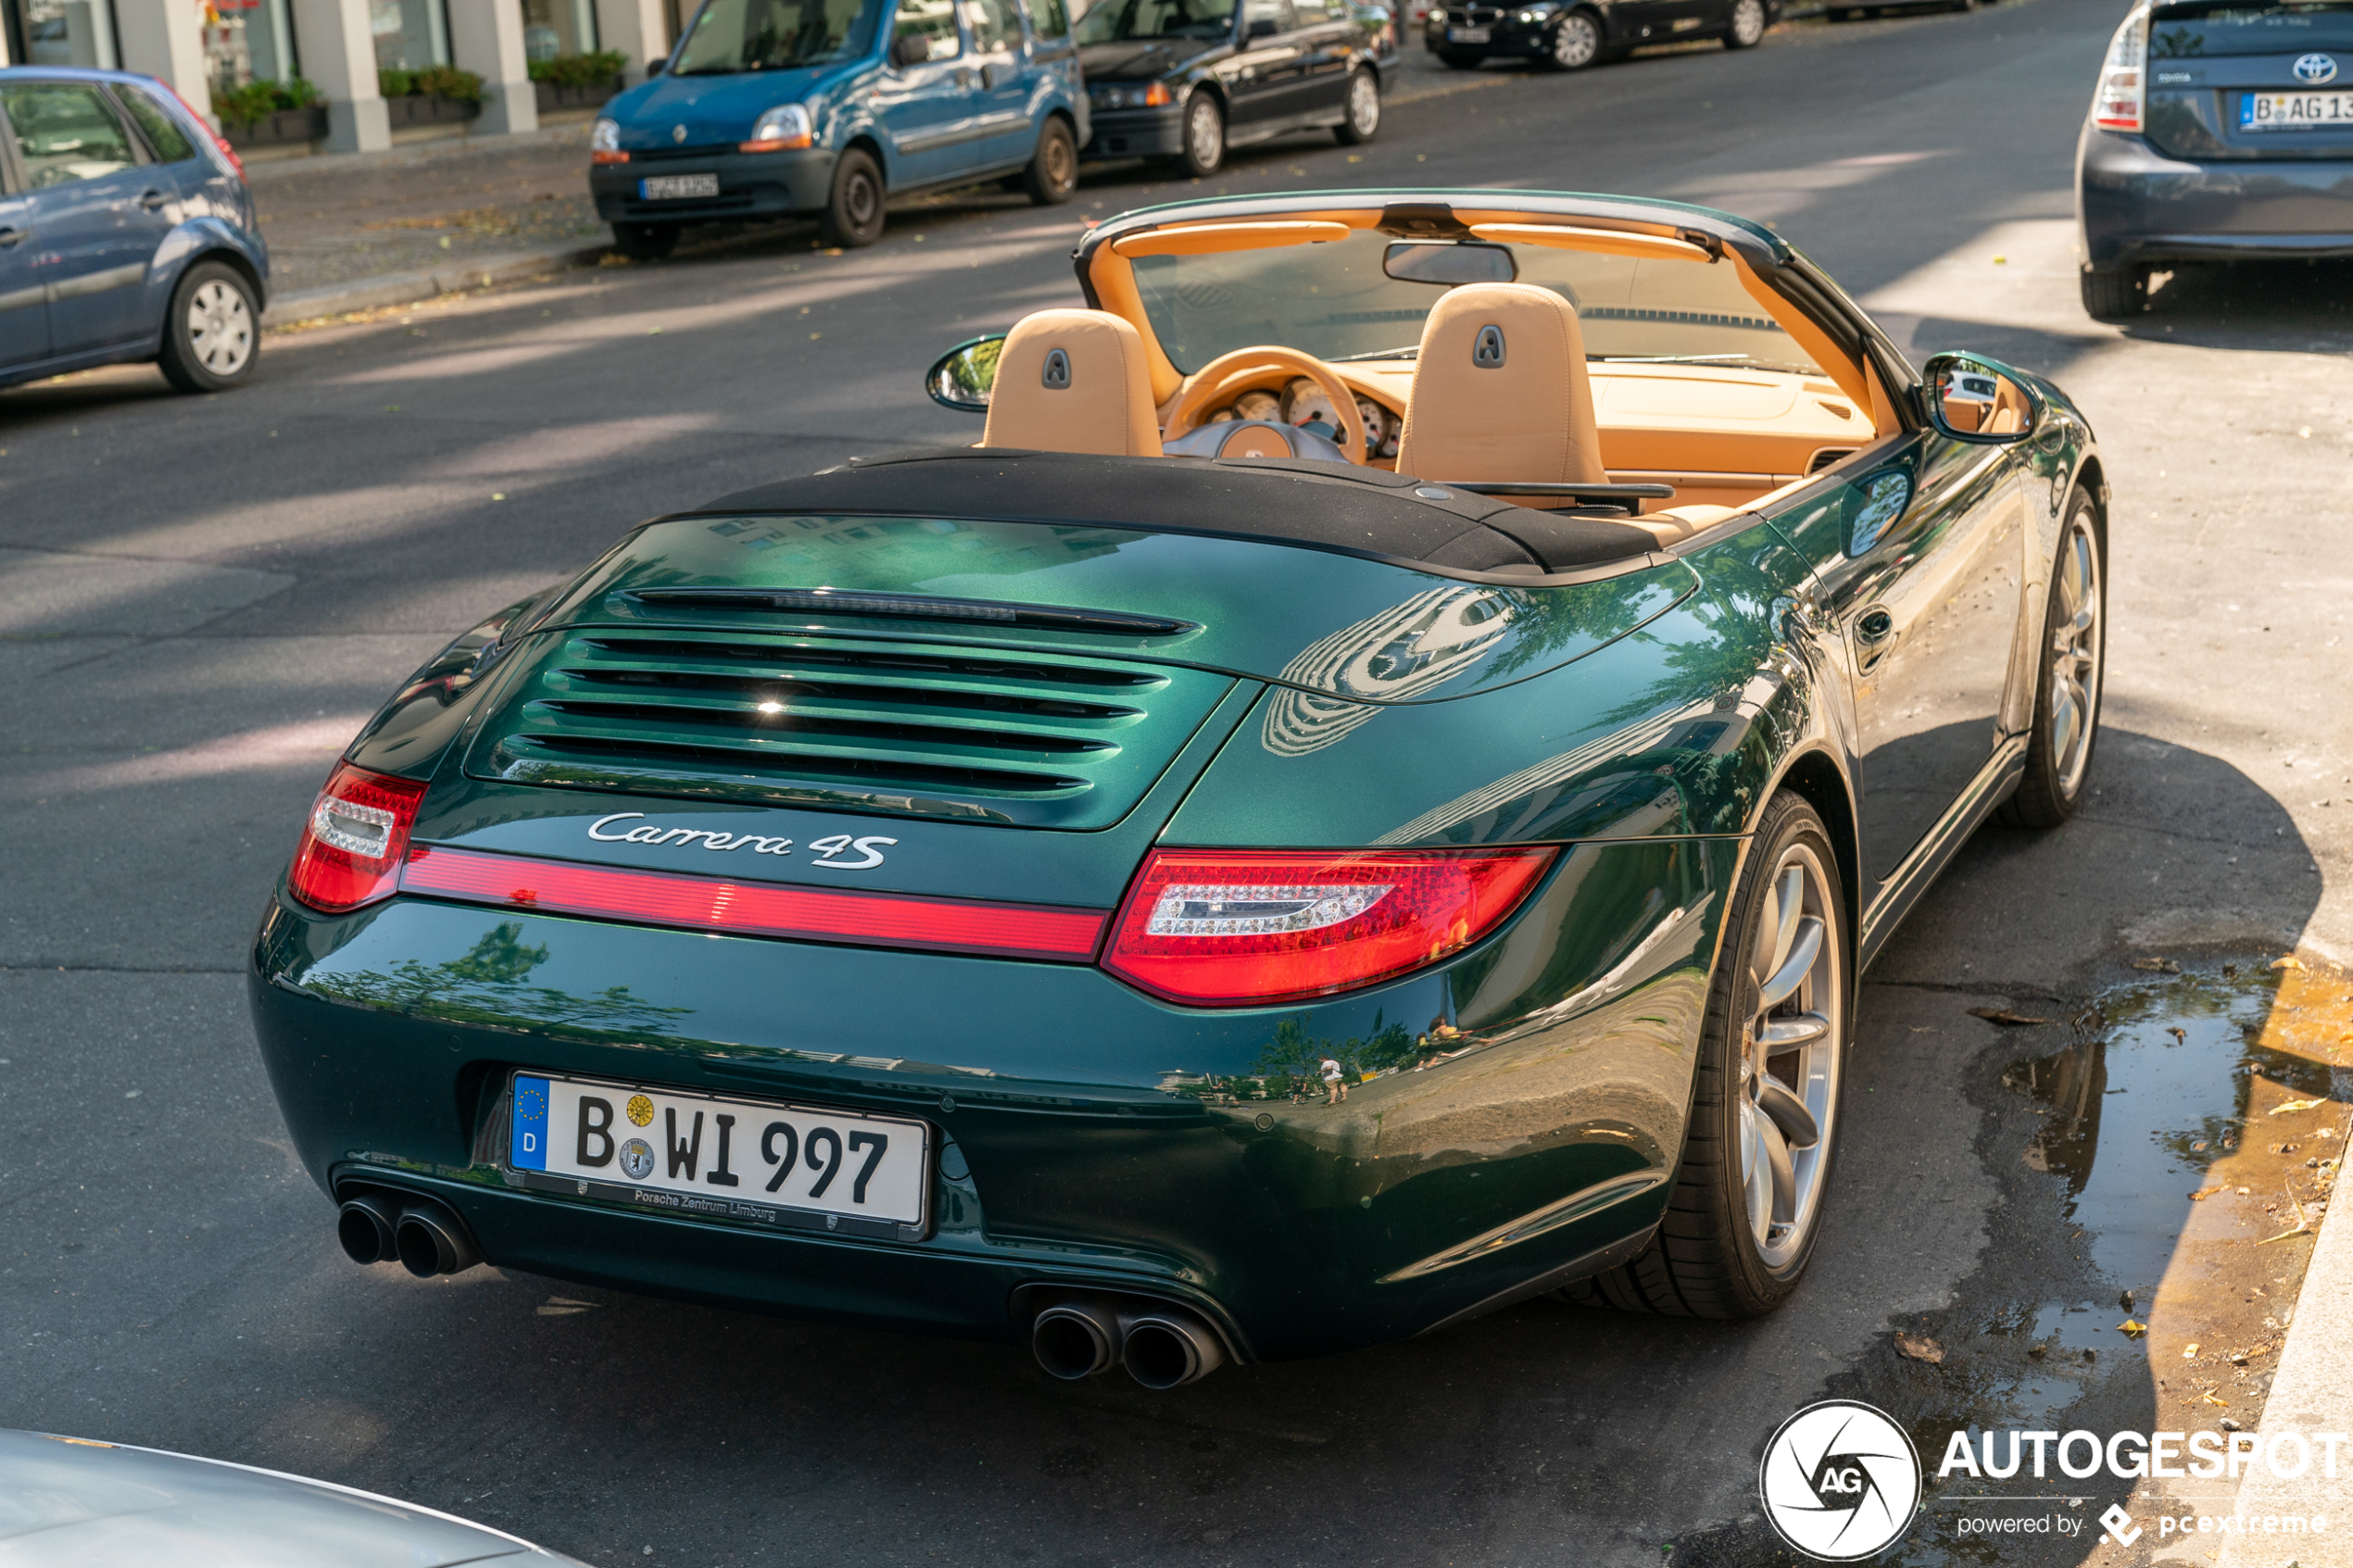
[2147, 1189]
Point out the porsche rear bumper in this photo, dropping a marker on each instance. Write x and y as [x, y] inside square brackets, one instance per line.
[2137, 206]
[1076, 1143]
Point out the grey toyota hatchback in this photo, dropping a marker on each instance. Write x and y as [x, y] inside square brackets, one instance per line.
[127, 233]
[2221, 130]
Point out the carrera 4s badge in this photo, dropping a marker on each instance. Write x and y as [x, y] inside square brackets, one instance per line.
[836, 852]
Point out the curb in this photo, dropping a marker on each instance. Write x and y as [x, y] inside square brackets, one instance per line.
[407, 288]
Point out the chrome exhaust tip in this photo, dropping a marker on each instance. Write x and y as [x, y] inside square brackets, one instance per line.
[432, 1240]
[1076, 1338]
[365, 1226]
[1165, 1349]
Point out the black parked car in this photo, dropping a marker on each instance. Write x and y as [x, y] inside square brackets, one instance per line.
[1572, 34]
[2217, 131]
[1188, 79]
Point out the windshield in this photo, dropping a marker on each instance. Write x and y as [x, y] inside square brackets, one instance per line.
[1333, 301]
[1113, 22]
[2195, 31]
[740, 35]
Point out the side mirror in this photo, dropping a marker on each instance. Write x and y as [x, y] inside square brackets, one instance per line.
[1974, 399]
[656, 67]
[910, 49]
[1263, 28]
[963, 377]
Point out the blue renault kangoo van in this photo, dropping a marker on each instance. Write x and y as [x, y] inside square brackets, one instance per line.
[771, 107]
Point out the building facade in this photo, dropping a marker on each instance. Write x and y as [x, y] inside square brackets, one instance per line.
[349, 53]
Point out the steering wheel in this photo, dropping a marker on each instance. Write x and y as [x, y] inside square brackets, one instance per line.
[1225, 377]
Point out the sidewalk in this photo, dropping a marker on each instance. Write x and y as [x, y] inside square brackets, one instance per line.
[359, 231]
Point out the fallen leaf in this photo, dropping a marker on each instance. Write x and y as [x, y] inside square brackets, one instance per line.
[1919, 1348]
[2157, 966]
[2204, 1192]
[2210, 1400]
[2295, 1105]
[2287, 962]
[2189, 1352]
[2005, 1016]
[2132, 1327]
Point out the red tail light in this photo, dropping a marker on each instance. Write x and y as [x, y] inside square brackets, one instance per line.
[753, 908]
[1230, 928]
[352, 846]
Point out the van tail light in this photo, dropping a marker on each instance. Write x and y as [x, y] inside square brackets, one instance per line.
[2117, 103]
[353, 844]
[1238, 927]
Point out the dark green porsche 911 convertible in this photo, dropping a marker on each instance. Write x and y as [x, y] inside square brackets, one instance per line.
[1361, 801]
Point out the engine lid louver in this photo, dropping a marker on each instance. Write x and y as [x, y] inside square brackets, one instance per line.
[1030, 739]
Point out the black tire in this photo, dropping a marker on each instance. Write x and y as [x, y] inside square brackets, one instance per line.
[1203, 151]
[1362, 106]
[1459, 60]
[645, 242]
[1575, 43]
[854, 215]
[1052, 175]
[1748, 25]
[211, 330]
[2114, 294]
[1706, 1260]
[2053, 785]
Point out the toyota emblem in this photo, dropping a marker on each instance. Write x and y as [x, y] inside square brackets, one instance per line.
[2313, 69]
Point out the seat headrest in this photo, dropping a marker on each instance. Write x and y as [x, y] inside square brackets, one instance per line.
[1074, 380]
[1500, 391]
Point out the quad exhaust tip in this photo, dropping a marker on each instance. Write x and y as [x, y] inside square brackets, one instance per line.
[1161, 1347]
[424, 1237]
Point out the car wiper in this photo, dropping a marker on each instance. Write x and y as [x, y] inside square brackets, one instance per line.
[1411, 351]
[1746, 361]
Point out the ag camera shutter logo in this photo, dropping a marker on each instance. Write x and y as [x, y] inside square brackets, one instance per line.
[1840, 1480]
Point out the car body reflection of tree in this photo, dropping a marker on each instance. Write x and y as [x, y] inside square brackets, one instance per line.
[487, 988]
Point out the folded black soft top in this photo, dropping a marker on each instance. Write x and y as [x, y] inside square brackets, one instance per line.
[1285, 500]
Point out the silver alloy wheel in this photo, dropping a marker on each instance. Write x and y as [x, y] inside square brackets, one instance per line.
[220, 328]
[1576, 42]
[1748, 23]
[1364, 104]
[2076, 657]
[1204, 132]
[1790, 1057]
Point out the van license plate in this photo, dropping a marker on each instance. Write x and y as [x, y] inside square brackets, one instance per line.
[2295, 111]
[799, 1165]
[676, 187]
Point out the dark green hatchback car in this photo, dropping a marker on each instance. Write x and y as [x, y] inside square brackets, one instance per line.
[1359, 801]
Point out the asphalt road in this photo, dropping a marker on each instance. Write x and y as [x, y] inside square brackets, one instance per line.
[201, 598]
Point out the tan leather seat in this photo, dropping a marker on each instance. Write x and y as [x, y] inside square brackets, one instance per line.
[1072, 381]
[1500, 391]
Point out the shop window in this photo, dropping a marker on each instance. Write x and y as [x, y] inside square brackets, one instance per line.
[63, 33]
[251, 41]
[410, 34]
[552, 29]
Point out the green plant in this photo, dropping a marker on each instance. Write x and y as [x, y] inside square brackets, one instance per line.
[396, 83]
[579, 70]
[256, 100]
[448, 82]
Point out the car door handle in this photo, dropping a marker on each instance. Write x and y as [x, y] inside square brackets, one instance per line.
[11, 237]
[152, 199]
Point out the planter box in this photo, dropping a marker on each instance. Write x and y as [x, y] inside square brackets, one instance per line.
[555, 98]
[427, 108]
[285, 127]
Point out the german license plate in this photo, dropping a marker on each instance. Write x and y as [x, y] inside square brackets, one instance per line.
[839, 1171]
[676, 187]
[2295, 111]
[1465, 35]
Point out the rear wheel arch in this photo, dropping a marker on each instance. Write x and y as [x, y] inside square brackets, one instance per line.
[229, 256]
